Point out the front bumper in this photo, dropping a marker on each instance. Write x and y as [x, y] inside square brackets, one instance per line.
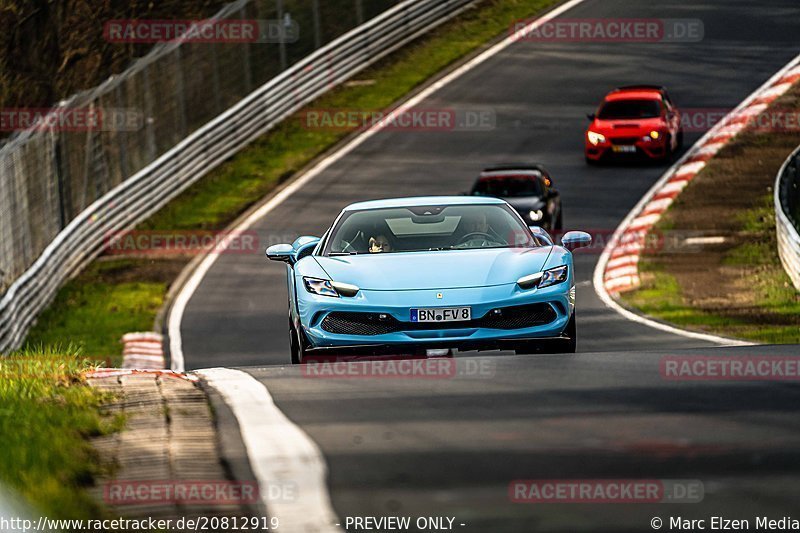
[644, 149]
[397, 304]
[421, 347]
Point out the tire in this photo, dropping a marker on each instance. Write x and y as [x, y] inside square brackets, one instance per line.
[680, 140]
[569, 345]
[296, 348]
[668, 153]
[559, 225]
[591, 162]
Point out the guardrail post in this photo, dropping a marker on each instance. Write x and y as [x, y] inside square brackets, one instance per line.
[121, 137]
[180, 92]
[317, 24]
[150, 135]
[248, 76]
[62, 185]
[359, 12]
[215, 79]
[281, 36]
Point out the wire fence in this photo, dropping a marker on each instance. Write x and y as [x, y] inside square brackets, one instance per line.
[62, 194]
[94, 141]
[787, 216]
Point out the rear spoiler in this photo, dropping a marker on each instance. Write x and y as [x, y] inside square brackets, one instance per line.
[514, 166]
[634, 87]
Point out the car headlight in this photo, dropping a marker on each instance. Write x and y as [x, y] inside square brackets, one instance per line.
[324, 287]
[544, 279]
[554, 276]
[345, 289]
[655, 135]
[595, 138]
[536, 215]
[321, 287]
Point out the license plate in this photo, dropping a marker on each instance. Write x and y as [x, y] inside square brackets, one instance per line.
[624, 148]
[441, 314]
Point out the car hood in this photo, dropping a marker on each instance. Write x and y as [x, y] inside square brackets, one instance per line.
[449, 269]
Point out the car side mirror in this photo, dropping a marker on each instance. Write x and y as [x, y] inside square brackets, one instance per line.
[281, 252]
[572, 240]
[304, 250]
[591, 116]
[541, 233]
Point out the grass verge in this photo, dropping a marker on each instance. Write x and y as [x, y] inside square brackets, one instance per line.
[46, 414]
[115, 296]
[737, 288]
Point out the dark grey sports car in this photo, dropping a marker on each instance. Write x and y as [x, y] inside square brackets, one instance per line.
[528, 188]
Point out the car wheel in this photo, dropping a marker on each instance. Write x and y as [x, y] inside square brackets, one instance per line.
[680, 139]
[591, 162]
[570, 344]
[296, 345]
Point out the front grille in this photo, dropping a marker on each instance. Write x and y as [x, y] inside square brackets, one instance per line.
[523, 316]
[346, 323]
[516, 317]
[624, 140]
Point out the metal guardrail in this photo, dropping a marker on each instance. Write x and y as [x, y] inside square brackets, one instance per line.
[145, 192]
[787, 216]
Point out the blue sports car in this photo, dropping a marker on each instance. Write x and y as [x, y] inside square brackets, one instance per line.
[428, 275]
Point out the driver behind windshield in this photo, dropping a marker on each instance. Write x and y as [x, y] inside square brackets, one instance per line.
[378, 244]
[477, 232]
[419, 229]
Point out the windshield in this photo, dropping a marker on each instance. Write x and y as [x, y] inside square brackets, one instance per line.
[632, 109]
[414, 229]
[508, 186]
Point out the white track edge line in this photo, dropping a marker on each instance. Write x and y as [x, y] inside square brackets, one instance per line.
[281, 454]
[178, 307]
[598, 281]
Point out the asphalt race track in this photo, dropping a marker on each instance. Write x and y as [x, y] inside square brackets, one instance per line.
[540, 93]
[452, 446]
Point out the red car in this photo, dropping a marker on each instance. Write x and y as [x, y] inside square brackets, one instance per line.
[637, 120]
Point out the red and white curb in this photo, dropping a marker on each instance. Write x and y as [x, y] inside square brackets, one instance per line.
[143, 351]
[620, 264]
[617, 270]
[119, 372]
